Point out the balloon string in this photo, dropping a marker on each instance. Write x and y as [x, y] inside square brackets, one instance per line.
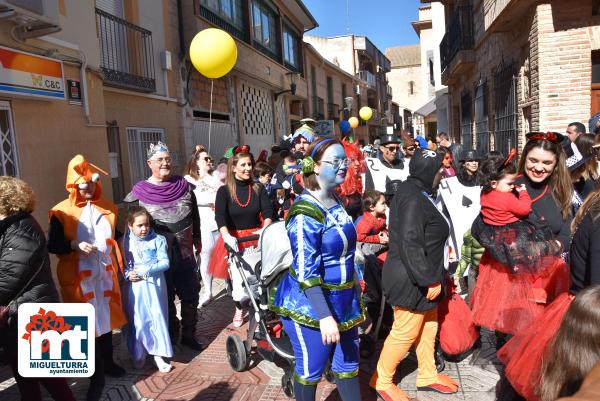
[212, 82]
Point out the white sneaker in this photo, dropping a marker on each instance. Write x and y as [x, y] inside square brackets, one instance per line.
[238, 318]
[205, 299]
[162, 365]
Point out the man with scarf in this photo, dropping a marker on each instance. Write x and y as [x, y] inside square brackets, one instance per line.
[413, 275]
[171, 202]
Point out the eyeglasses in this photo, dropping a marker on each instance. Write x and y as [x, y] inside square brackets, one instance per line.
[337, 163]
[208, 159]
[392, 148]
[162, 160]
[410, 148]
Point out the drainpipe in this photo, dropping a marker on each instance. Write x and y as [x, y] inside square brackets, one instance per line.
[182, 51]
[84, 89]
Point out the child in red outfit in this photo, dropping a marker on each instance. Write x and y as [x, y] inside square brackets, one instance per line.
[505, 203]
[372, 227]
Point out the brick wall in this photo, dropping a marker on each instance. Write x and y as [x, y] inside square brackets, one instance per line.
[551, 47]
[564, 64]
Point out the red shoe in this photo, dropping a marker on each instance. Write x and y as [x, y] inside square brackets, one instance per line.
[391, 394]
[444, 384]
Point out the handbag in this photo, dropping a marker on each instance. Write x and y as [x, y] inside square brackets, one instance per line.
[458, 332]
[4, 309]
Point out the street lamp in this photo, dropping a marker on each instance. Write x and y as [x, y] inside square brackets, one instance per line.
[292, 90]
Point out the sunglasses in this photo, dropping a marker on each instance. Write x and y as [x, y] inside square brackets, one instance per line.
[392, 148]
[410, 148]
[208, 159]
[338, 163]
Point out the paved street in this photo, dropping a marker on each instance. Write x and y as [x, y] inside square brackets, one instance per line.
[207, 376]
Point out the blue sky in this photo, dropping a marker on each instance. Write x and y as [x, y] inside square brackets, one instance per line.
[385, 22]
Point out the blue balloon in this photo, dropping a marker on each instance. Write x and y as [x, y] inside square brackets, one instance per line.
[345, 126]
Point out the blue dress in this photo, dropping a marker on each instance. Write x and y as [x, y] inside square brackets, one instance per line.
[148, 331]
[323, 254]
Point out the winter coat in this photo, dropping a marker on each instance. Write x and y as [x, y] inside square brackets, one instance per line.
[22, 251]
[418, 233]
[585, 252]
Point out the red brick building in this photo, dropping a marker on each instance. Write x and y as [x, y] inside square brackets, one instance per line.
[513, 66]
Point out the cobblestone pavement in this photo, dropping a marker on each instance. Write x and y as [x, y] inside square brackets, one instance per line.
[208, 376]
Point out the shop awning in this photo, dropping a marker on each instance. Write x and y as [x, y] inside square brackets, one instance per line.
[427, 109]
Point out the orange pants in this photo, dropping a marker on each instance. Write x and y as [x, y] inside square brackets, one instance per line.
[410, 327]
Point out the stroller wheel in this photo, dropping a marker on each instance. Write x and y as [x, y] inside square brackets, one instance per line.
[287, 383]
[236, 353]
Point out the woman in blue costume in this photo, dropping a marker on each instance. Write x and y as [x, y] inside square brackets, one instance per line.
[317, 300]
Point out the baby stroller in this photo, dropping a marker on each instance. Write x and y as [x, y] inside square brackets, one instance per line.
[261, 272]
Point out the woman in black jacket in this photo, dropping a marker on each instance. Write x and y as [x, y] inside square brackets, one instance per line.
[24, 262]
[412, 278]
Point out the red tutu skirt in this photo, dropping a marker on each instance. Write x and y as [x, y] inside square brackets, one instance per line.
[218, 265]
[508, 302]
[525, 353]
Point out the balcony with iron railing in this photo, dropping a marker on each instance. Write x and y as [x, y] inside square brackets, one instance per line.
[318, 111]
[368, 77]
[239, 30]
[333, 111]
[456, 47]
[126, 53]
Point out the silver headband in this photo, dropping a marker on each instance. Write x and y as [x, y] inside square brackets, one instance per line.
[156, 148]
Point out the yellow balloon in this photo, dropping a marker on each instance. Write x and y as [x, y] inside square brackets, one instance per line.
[365, 113]
[213, 52]
[353, 122]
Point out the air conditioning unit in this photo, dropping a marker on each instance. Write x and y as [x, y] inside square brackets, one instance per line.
[34, 17]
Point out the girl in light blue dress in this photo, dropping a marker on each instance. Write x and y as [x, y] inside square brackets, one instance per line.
[146, 257]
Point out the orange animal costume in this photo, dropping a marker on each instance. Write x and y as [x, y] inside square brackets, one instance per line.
[88, 278]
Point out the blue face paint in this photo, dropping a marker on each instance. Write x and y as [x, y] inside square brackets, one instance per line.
[331, 176]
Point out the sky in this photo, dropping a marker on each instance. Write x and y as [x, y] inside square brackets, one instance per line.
[385, 22]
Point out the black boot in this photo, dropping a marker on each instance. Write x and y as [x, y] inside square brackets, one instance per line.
[106, 346]
[188, 326]
[97, 380]
[174, 323]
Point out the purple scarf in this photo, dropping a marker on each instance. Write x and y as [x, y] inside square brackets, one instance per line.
[161, 194]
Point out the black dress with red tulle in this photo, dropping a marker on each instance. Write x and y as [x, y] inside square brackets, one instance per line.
[520, 273]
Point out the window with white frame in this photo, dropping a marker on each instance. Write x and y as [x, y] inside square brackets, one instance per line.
[9, 164]
[291, 42]
[138, 142]
[265, 27]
